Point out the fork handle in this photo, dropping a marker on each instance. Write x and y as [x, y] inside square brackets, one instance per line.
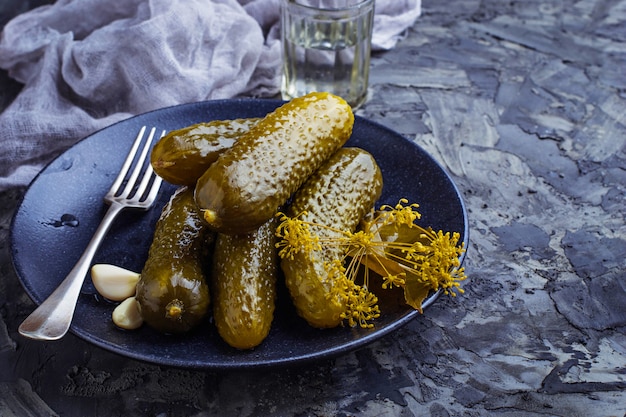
[52, 319]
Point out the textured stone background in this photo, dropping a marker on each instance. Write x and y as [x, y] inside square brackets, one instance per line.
[524, 103]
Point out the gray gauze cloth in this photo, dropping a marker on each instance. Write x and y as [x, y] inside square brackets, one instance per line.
[86, 64]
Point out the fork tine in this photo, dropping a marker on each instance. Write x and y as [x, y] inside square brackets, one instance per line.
[154, 190]
[139, 165]
[148, 174]
[127, 163]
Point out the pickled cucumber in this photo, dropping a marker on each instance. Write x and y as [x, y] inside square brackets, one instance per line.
[172, 292]
[337, 195]
[245, 186]
[244, 285]
[181, 156]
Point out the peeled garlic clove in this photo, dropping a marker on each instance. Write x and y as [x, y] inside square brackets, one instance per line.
[127, 315]
[113, 282]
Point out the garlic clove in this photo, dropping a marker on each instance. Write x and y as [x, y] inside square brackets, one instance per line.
[126, 315]
[113, 282]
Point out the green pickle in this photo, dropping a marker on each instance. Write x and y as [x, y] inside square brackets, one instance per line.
[181, 156]
[244, 285]
[338, 195]
[249, 182]
[172, 292]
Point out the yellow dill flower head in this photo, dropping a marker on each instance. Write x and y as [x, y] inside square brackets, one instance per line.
[440, 261]
[393, 280]
[400, 215]
[360, 239]
[361, 307]
[337, 273]
[295, 237]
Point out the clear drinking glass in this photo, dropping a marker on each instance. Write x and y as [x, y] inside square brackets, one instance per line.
[326, 47]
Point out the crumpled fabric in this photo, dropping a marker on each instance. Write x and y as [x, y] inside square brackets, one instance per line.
[86, 64]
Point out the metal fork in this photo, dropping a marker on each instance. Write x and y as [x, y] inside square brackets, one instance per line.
[52, 319]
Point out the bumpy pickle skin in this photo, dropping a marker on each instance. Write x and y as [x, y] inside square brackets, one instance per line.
[245, 186]
[181, 156]
[338, 195]
[244, 285]
[172, 292]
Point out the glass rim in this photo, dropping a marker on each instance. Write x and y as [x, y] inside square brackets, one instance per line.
[358, 5]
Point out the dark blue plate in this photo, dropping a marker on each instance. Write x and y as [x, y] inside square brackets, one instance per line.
[63, 206]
